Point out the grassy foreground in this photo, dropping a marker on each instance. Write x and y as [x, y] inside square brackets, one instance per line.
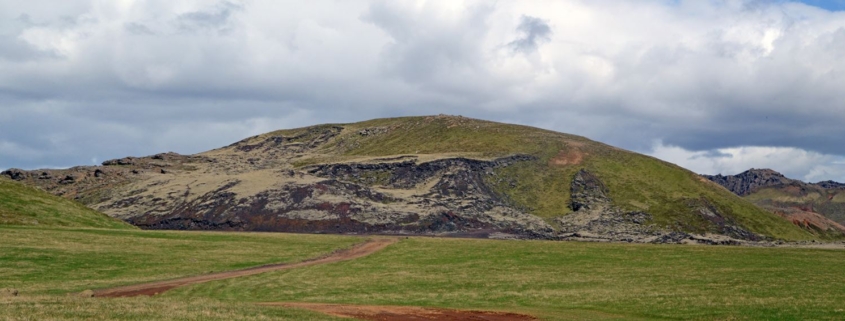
[55, 261]
[563, 280]
[49, 265]
[552, 280]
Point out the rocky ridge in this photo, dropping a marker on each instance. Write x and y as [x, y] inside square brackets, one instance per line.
[817, 207]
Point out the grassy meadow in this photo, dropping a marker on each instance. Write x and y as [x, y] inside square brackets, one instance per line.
[552, 280]
[567, 280]
[48, 266]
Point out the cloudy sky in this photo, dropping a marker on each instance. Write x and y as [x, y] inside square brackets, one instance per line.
[717, 86]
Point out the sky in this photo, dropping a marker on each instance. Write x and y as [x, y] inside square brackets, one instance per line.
[716, 86]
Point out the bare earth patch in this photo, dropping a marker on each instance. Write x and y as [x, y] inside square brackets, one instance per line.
[400, 313]
[153, 288]
[572, 156]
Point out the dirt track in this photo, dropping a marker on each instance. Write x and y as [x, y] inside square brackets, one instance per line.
[154, 288]
[398, 313]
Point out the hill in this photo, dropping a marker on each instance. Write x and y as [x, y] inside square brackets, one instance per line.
[816, 207]
[435, 175]
[25, 205]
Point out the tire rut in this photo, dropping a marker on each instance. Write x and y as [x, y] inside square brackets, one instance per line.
[158, 287]
[403, 313]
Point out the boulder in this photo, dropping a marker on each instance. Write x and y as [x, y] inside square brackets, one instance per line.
[122, 161]
[15, 174]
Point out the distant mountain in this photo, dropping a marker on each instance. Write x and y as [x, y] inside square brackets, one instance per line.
[26, 205]
[819, 207]
[434, 175]
[748, 181]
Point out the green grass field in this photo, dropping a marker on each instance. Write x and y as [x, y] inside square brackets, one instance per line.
[49, 265]
[552, 280]
[555, 280]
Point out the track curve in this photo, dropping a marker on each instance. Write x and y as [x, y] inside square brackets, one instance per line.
[154, 288]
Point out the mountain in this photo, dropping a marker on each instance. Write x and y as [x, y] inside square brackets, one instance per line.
[818, 207]
[25, 205]
[434, 175]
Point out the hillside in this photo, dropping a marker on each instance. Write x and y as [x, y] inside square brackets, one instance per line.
[436, 175]
[816, 207]
[25, 205]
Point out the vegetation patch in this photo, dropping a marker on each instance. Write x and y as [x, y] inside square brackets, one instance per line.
[25, 205]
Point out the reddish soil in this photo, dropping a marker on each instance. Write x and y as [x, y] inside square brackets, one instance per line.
[153, 288]
[807, 219]
[399, 313]
[573, 156]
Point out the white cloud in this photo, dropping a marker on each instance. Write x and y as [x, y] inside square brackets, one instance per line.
[701, 75]
[792, 162]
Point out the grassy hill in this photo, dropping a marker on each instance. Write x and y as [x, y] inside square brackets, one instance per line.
[673, 195]
[25, 205]
[434, 175]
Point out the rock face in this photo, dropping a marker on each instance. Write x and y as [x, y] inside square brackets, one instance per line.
[596, 218]
[587, 191]
[452, 198]
[746, 182]
[818, 207]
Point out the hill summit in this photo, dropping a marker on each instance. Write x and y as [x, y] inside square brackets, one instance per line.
[433, 175]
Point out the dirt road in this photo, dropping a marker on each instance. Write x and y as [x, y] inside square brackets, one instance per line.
[403, 313]
[153, 288]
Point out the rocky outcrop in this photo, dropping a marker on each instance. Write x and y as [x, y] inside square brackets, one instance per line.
[595, 218]
[15, 174]
[88, 184]
[719, 223]
[407, 174]
[830, 185]
[450, 198]
[299, 143]
[815, 207]
[748, 181]
[587, 191]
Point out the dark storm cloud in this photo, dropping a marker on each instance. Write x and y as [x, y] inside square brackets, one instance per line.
[691, 80]
[533, 32]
